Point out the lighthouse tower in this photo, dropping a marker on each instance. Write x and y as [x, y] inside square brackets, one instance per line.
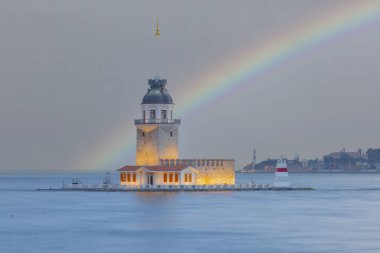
[281, 175]
[157, 130]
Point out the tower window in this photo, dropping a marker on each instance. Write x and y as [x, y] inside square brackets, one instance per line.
[171, 114]
[171, 134]
[144, 116]
[152, 114]
[143, 134]
[163, 114]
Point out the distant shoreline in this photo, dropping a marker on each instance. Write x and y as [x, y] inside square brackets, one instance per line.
[311, 172]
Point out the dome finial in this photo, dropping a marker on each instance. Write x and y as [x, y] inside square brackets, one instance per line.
[157, 35]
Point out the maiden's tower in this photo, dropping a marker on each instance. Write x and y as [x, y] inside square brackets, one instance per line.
[157, 152]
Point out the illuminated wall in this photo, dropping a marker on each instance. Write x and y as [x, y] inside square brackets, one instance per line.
[155, 142]
[208, 171]
[215, 176]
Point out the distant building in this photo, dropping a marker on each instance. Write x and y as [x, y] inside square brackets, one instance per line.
[374, 158]
[269, 165]
[315, 164]
[354, 155]
[346, 161]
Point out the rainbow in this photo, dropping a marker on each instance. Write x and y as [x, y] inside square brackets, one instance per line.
[234, 73]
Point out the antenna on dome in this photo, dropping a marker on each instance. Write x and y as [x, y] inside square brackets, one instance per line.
[157, 36]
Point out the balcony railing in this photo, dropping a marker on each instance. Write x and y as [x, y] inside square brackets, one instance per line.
[157, 121]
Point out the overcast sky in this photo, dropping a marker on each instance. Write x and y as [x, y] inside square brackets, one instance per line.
[71, 72]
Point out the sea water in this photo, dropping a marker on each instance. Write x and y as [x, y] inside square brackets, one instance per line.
[342, 214]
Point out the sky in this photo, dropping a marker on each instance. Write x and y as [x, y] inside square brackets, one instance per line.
[73, 73]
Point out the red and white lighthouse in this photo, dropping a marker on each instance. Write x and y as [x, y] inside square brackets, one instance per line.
[281, 178]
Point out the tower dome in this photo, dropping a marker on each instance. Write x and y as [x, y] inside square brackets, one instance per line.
[157, 93]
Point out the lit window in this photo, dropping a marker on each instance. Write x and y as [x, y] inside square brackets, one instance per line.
[152, 114]
[134, 177]
[185, 178]
[176, 177]
[190, 178]
[122, 177]
[163, 114]
[128, 177]
[165, 177]
[170, 177]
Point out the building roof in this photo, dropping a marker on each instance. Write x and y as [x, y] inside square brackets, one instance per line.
[153, 168]
[157, 93]
[355, 155]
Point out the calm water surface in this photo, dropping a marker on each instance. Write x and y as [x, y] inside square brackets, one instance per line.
[341, 215]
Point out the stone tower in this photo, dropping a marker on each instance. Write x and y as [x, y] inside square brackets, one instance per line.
[157, 130]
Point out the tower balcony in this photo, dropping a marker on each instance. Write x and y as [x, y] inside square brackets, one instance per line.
[157, 121]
